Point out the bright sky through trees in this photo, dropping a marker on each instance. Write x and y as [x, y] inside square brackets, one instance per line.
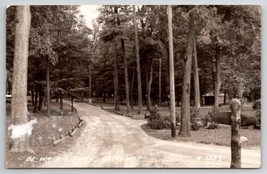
[90, 13]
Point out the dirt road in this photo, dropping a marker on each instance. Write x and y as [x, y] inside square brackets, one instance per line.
[109, 140]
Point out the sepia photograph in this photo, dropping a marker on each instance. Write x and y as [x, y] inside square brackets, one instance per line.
[133, 86]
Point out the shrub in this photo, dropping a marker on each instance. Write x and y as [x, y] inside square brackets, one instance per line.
[157, 121]
[195, 127]
[194, 112]
[257, 104]
[258, 119]
[208, 120]
[178, 118]
[212, 125]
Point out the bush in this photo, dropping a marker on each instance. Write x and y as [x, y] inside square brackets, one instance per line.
[194, 112]
[258, 119]
[257, 104]
[157, 121]
[195, 125]
[208, 120]
[212, 125]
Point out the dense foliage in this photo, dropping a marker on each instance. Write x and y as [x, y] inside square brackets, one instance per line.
[229, 34]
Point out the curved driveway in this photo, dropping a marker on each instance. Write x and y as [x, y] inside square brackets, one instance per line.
[109, 140]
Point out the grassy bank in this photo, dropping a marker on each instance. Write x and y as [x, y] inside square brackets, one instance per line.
[42, 134]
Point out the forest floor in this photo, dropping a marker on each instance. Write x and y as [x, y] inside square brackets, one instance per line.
[42, 134]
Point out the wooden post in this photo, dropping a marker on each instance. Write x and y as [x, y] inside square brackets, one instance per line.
[235, 135]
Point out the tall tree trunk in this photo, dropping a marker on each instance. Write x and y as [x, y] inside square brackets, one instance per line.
[217, 85]
[60, 100]
[41, 97]
[48, 88]
[90, 83]
[126, 77]
[224, 97]
[45, 99]
[213, 71]
[32, 95]
[168, 67]
[60, 92]
[104, 98]
[235, 133]
[116, 75]
[132, 88]
[147, 84]
[72, 108]
[125, 70]
[35, 107]
[19, 81]
[196, 78]
[171, 65]
[149, 87]
[116, 82]
[160, 72]
[138, 69]
[252, 94]
[185, 110]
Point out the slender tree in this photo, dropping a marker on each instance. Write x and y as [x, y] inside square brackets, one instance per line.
[90, 83]
[126, 77]
[48, 114]
[125, 65]
[217, 84]
[132, 88]
[19, 81]
[160, 74]
[196, 78]
[185, 110]
[138, 69]
[116, 73]
[149, 86]
[171, 65]
[60, 91]
[116, 81]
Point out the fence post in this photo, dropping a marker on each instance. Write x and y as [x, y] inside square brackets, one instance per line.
[235, 135]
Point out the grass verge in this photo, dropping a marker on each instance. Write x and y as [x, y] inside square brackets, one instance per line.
[220, 136]
[42, 134]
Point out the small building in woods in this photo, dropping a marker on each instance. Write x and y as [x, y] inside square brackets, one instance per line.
[208, 98]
